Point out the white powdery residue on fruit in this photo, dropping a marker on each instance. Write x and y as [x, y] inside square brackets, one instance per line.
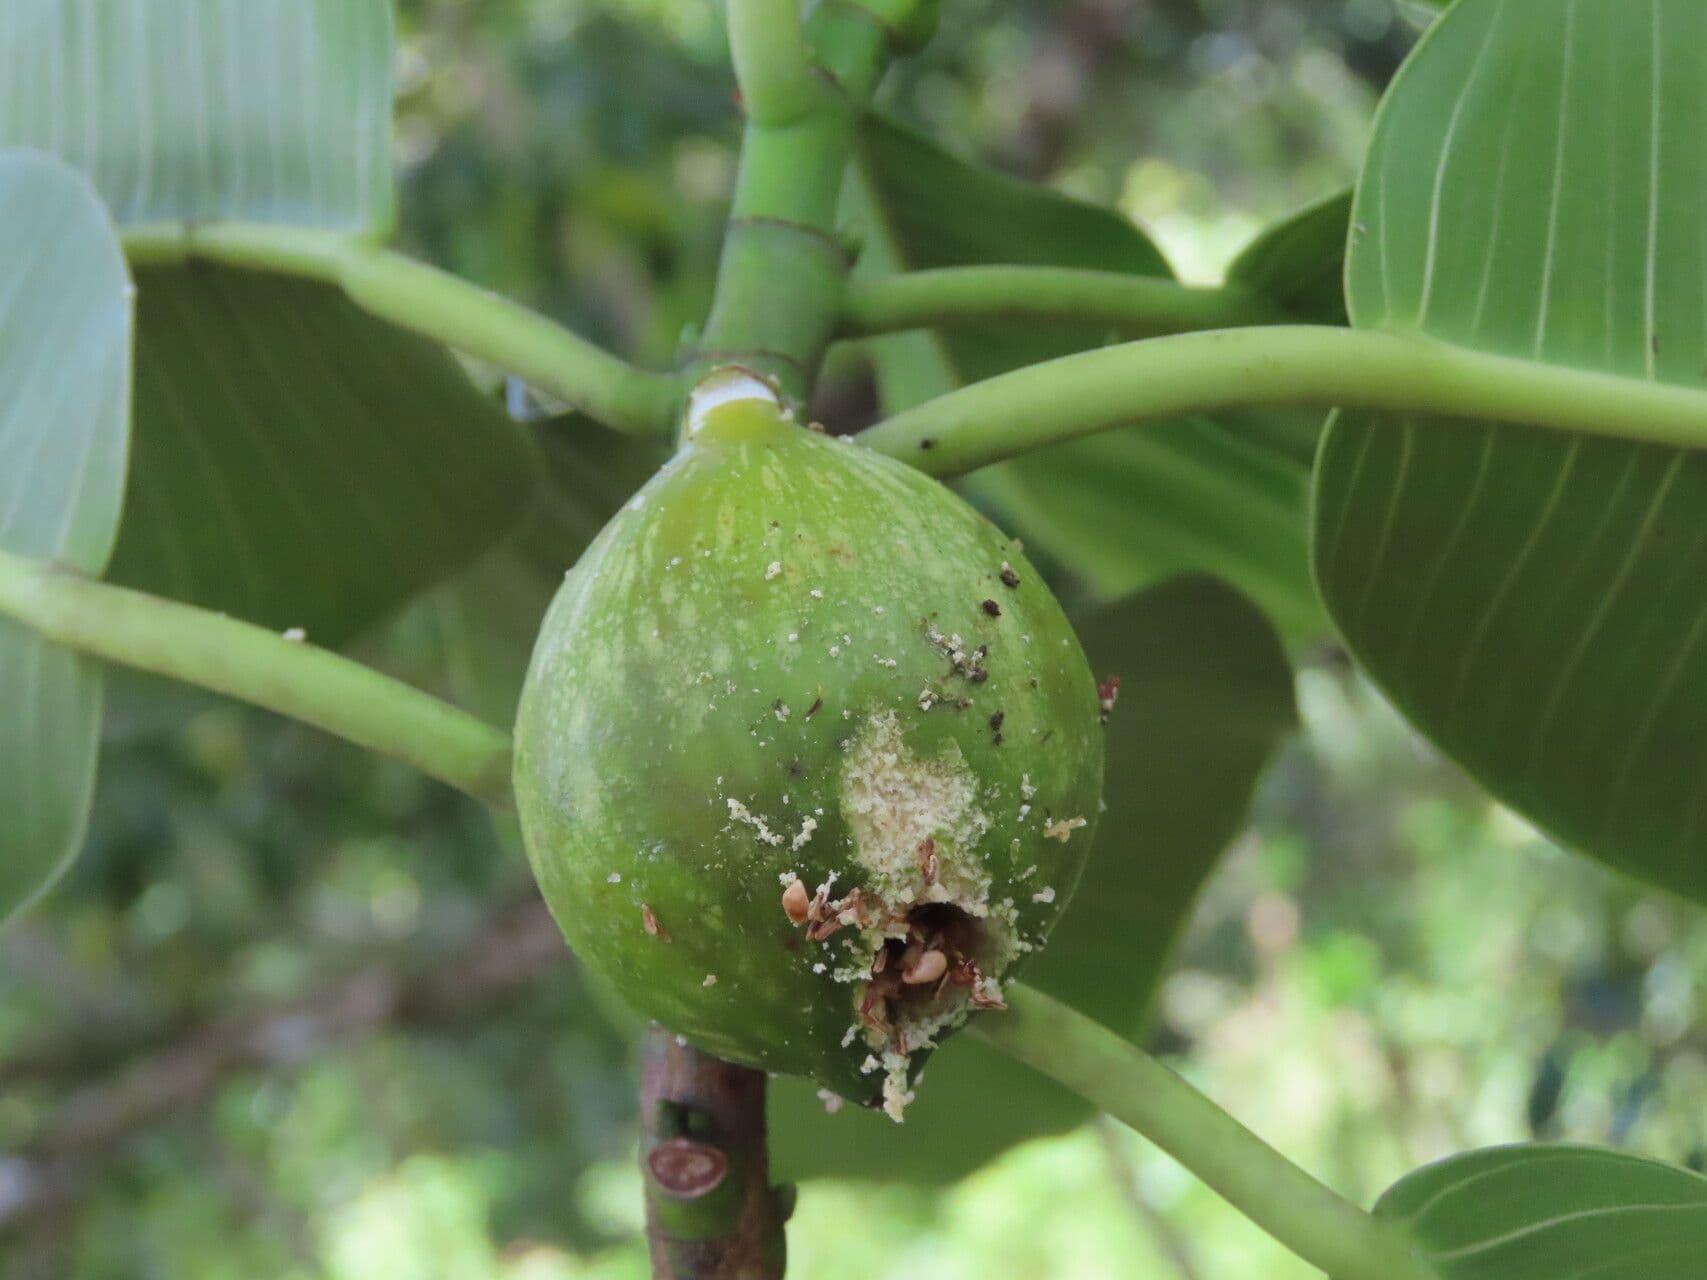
[881, 661]
[1028, 872]
[1062, 830]
[1045, 894]
[816, 594]
[1025, 787]
[894, 800]
[710, 980]
[832, 1101]
[780, 710]
[773, 570]
[896, 803]
[296, 635]
[614, 877]
[761, 829]
[835, 651]
[896, 1094]
[807, 827]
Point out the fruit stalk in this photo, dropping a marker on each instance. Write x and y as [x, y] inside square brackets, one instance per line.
[281, 673]
[1127, 1083]
[1128, 303]
[711, 1213]
[1308, 366]
[435, 304]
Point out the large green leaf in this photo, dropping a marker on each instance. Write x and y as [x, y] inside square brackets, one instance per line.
[298, 464]
[295, 461]
[262, 111]
[1299, 262]
[1553, 1213]
[1536, 187]
[1205, 696]
[1124, 509]
[490, 615]
[65, 321]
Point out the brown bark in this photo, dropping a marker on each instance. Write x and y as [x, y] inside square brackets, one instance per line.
[711, 1213]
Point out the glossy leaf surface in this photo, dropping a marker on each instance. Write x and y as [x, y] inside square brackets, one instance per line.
[1535, 188]
[1553, 1213]
[65, 323]
[295, 462]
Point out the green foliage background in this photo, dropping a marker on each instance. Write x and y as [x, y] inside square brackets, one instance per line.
[293, 1014]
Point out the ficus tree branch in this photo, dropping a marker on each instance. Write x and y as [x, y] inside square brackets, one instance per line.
[772, 66]
[1302, 365]
[517, 945]
[436, 305]
[258, 666]
[784, 266]
[711, 1212]
[1120, 1078]
[1120, 300]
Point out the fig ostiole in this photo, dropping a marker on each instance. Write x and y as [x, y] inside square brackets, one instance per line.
[809, 758]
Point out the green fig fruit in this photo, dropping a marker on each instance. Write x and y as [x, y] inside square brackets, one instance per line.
[808, 758]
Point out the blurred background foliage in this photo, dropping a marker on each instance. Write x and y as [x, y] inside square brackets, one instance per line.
[297, 1012]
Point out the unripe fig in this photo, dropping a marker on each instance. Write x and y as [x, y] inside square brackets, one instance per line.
[808, 758]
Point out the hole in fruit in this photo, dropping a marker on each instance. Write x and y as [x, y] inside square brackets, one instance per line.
[921, 981]
[931, 970]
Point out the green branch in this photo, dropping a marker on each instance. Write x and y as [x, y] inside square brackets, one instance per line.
[784, 266]
[436, 305]
[1300, 365]
[255, 665]
[771, 64]
[1130, 303]
[1298, 1211]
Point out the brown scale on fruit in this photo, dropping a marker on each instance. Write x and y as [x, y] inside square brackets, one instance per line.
[1108, 693]
[962, 661]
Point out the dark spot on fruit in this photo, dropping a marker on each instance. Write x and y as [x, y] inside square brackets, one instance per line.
[1009, 577]
[996, 720]
[992, 608]
[649, 920]
[815, 708]
[927, 443]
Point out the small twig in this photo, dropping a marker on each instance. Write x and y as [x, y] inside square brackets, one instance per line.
[711, 1213]
[1172, 1245]
[98, 1121]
